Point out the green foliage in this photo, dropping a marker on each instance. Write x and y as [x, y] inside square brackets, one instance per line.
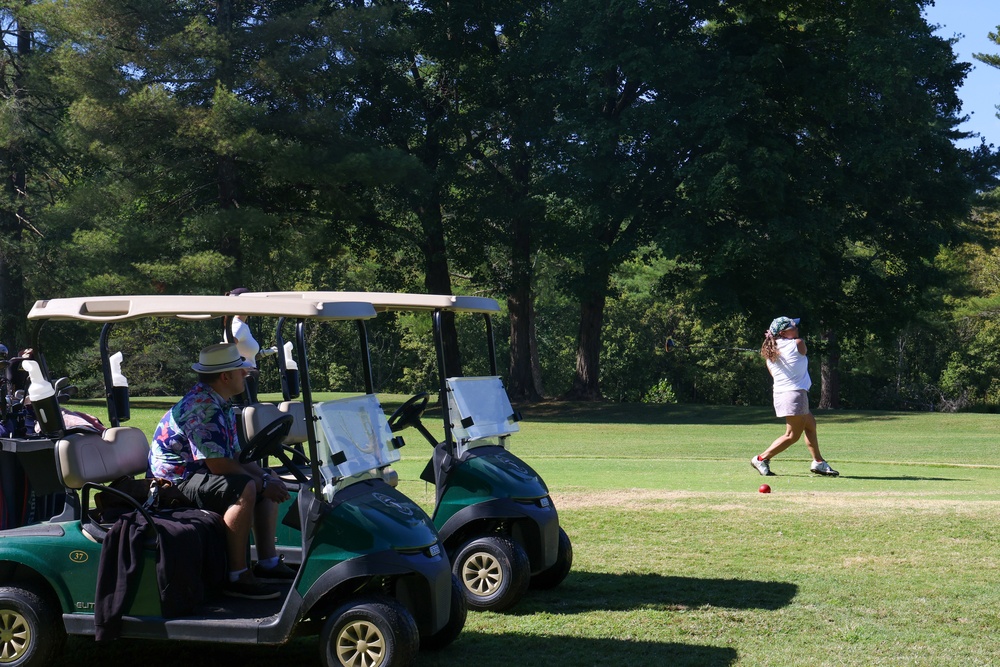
[619, 173]
[557, 322]
[338, 378]
[661, 392]
[972, 376]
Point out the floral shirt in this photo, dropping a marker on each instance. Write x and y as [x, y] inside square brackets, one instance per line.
[202, 425]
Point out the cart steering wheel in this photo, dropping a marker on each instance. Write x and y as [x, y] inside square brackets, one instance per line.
[408, 414]
[267, 441]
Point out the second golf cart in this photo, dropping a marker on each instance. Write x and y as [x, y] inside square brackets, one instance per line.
[493, 511]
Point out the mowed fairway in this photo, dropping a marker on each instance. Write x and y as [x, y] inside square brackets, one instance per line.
[680, 561]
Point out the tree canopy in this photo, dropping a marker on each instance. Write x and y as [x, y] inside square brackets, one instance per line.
[614, 173]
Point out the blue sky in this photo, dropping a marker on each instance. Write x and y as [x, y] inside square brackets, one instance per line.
[972, 21]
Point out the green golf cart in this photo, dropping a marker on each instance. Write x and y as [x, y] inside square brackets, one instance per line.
[492, 510]
[373, 582]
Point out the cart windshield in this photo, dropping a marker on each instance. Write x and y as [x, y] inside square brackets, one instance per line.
[354, 437]
[482, 408]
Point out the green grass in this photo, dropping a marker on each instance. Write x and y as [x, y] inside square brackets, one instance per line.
[680, 561]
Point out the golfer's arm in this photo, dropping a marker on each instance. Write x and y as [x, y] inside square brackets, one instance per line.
[225, 466]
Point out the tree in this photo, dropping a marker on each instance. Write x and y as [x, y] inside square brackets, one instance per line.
[833, 178]
[502, 230]
[627, 79]
[446, 86]
[216, 130]
[37, 166]
[15, 45]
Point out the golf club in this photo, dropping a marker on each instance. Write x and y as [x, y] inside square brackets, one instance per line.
[671, 345]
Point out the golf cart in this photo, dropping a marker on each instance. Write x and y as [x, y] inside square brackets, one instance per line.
[373, 582]
[492, 510]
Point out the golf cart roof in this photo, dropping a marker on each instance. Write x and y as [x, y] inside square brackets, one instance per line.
[193, 307]
[386, 301]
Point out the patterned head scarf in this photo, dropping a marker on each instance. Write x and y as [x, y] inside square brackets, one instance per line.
[779, 324]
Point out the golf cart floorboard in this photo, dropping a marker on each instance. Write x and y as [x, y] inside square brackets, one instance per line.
[220, 618]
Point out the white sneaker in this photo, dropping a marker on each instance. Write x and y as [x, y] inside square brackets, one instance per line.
[763, 467]
[823, 468]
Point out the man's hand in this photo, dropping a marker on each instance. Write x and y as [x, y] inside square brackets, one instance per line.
[275, 489]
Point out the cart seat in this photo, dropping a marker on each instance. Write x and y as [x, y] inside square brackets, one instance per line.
[101, 457]
[256, 417]
[298, 434]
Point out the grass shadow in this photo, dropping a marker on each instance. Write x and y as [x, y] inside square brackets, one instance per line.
[906, 478]
[588, 412]
[592, 591]
[489, 650]
[643, 413]
[646, 413]
[478, 648]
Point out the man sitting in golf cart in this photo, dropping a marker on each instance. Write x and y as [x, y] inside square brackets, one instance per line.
[196, 447]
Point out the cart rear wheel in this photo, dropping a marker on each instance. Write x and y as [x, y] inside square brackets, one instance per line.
[31, 632]
[494, 571]
[369, 632]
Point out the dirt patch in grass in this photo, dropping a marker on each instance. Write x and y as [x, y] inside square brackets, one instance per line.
[647, 499]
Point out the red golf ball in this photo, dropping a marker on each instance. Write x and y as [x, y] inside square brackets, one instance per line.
[764, 488]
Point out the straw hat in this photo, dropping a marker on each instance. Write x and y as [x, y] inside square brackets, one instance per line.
[219, 358]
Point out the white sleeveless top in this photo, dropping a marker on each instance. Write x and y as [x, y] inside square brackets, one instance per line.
[245, 342]
[791, 370]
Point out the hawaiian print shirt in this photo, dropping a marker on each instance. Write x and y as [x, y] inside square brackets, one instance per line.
[202, 425]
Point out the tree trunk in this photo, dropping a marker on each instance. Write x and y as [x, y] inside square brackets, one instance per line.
[830, 373]
[525, 370]
[523, 383]
[536, 363]
[437, 280]
[230, 244]
[588, 352]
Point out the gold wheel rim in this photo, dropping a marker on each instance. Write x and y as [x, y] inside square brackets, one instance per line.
[361, 644]
[15, 636]
[482, 574]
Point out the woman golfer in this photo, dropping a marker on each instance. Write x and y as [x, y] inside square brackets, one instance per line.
[787, 363]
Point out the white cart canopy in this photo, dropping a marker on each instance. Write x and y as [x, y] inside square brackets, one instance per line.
[385, 301]
[194, 307]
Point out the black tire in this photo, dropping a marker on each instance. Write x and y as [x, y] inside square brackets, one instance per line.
[554, 576]
[31, 630]
[494, 572]
[373, 631]
[456, 620]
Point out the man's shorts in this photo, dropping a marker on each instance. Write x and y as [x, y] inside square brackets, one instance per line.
[791, 403]
[216, 493]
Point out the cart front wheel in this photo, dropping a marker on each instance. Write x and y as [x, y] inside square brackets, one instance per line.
[456, 620]
[31, 632]
[494, 571]
[369, 632]
[554, 576]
